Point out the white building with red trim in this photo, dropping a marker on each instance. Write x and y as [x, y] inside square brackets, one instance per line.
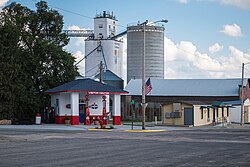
[84, 100]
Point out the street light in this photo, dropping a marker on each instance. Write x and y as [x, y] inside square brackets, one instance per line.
[242, 95]
[144, 104]
[162, 21]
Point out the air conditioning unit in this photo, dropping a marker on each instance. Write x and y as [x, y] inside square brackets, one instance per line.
[177, 114]
[168, 115]
[172, 114]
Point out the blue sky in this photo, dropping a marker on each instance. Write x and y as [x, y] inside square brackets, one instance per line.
[203, 39]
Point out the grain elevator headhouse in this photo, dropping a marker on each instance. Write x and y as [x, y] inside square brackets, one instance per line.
[110, 51]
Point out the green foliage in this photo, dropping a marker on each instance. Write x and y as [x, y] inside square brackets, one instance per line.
[32, 59]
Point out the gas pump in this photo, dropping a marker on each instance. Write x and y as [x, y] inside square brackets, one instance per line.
[49, 115]
[87, 113]
[104, 110]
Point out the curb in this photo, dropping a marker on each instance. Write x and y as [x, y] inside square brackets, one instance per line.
[145, 131]
[94, 129]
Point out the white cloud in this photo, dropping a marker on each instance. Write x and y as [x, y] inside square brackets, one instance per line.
[74, 27]
[183, 1]
[3, 2]
[76, 47]
[80, 41]
[215, 48]
[205, 62]
[170, 73]
[183, 60]
[244, 4]
[232, 30]
[238, 56]
[188, 48]
[81, 66]
[170, 49]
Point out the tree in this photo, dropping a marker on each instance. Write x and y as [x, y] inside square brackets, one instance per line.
[32, 59]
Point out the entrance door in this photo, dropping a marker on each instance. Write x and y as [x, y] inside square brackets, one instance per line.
[57, 107]
[188, 116]
[82, 112]
[213, 114]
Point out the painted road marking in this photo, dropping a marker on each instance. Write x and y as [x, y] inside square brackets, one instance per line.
[146, 131]
[95, 129]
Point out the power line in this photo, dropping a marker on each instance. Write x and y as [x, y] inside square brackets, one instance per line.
[91, 69]
[187, 51]
[52, 6]
[88, 17]
[238, 66]
[184, 50]
[65, 10]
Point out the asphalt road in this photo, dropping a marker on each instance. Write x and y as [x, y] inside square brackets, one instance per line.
[195, 147]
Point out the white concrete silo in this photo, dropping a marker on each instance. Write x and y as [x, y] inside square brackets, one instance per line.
[105, 27]
[154, 51]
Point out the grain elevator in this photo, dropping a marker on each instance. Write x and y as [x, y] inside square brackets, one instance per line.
[154, 51]
[111, 50]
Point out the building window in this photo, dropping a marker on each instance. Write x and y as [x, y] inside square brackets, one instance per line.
[227, 111]
[217, 112]
[222, 114]
[201, 113]
[100, 26]
[208, 113]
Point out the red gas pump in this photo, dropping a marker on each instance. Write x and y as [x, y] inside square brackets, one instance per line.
[104, 110]
[87, 113]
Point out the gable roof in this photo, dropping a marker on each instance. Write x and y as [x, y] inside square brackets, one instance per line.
[109, 75]
[188, 87]
[86, 85]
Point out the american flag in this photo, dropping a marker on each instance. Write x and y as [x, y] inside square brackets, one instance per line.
[148, 86]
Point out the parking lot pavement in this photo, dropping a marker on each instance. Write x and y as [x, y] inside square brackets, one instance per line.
[60, 145]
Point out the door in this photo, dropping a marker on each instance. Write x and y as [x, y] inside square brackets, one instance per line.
[188, 116]
[214, 114]
[57, 107]
[82, 112]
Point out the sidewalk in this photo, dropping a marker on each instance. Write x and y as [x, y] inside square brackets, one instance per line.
[87, 127]
[124, 127]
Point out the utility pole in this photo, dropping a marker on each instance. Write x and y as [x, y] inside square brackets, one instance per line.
[144, 104]
[242, 97]
[242, 94]
[100, 75]
[143, 77]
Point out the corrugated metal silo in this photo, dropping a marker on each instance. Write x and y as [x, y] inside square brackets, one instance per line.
[154, 52]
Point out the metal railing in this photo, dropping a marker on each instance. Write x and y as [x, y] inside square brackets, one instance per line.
[220, 120]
